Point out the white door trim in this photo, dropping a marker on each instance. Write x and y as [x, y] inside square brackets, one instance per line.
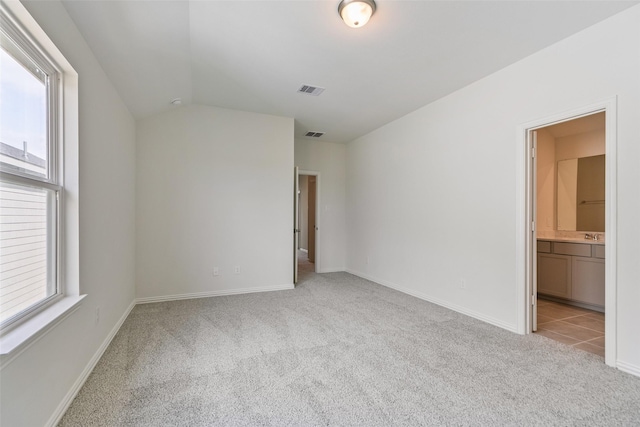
[524, 243]
[296, 222]
[318, 216]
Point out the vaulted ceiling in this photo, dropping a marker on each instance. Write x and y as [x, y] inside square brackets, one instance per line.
[254, 55]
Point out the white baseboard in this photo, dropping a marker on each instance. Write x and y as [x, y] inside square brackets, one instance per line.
[628, 368]
[163, 298]
[66, 402]
[488, 319]
[303, 250]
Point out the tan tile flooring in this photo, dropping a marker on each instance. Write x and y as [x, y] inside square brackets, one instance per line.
[578, 327]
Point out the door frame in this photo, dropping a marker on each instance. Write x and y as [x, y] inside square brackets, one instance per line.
[296, 225]
[525, 238]
[318, 218]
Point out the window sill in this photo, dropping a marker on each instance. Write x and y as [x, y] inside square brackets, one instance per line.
[28, 332]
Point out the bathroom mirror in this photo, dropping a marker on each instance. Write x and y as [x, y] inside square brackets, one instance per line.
[580, 189]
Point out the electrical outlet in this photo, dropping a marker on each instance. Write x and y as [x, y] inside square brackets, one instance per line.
[216, 271]
[97, 319]
[237, 269]
[463, 284]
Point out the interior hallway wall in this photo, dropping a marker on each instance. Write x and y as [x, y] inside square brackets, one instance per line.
[214, 189]
[432, 197]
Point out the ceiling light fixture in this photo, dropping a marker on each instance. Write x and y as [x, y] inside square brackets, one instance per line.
[356, 13]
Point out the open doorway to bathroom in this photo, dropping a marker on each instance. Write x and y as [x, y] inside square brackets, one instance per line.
[570, 232]
[570, 178]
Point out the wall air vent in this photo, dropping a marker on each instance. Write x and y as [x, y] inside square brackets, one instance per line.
[311, 90]
[314, 134]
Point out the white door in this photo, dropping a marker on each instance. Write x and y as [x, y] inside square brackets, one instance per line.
[311, 221]
[534, 242]
[296, 224]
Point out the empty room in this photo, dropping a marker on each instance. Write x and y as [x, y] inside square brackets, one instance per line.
[331, 212]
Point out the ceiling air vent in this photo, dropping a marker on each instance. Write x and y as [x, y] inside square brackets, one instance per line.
[314, 134]
[311, 90]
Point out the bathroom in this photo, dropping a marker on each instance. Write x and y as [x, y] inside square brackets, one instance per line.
[570, 232]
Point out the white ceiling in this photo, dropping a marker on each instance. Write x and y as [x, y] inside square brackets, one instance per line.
[254, 55]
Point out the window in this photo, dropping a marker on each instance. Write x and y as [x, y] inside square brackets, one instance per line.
[30, 184]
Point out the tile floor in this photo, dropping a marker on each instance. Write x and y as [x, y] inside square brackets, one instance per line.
[578, 327]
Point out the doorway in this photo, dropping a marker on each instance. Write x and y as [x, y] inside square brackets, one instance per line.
[570, 255]
[307, 220]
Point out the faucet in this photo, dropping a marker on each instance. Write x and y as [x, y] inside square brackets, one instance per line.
[596, 237]
[590, 237]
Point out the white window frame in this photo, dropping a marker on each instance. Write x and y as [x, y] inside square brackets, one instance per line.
[53, 181]
[21, 335]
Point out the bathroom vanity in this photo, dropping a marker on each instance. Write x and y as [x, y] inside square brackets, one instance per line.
[572, 270]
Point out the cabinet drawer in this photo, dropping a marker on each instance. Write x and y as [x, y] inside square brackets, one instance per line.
[544, 246]
[597, 251]
[576, 249]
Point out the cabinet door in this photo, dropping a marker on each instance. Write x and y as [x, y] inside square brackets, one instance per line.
[554, 275]
[588, 280]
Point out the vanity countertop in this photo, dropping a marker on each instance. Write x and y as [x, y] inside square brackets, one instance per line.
[572, 240]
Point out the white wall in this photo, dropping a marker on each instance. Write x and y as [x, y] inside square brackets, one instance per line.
[546, 181]
[329, 160]
[214, 188]
[585, 144]
[35, 383]
[432, 196]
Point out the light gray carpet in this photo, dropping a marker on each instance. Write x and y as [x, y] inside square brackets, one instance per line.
[339, 350]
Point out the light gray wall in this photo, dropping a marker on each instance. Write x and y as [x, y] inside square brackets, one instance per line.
[329, 160]
[35, 383]
[214, 188]
[432, 197]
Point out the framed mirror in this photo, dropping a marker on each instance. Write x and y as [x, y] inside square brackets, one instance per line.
[580, 194]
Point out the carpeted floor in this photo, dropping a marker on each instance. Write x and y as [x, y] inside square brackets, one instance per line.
[340, 350]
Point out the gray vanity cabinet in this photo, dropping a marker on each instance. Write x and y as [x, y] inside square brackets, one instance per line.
[571, 271]
[588, 277]
[554, 275]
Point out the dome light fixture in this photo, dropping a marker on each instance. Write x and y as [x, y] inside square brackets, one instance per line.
[356, 13]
